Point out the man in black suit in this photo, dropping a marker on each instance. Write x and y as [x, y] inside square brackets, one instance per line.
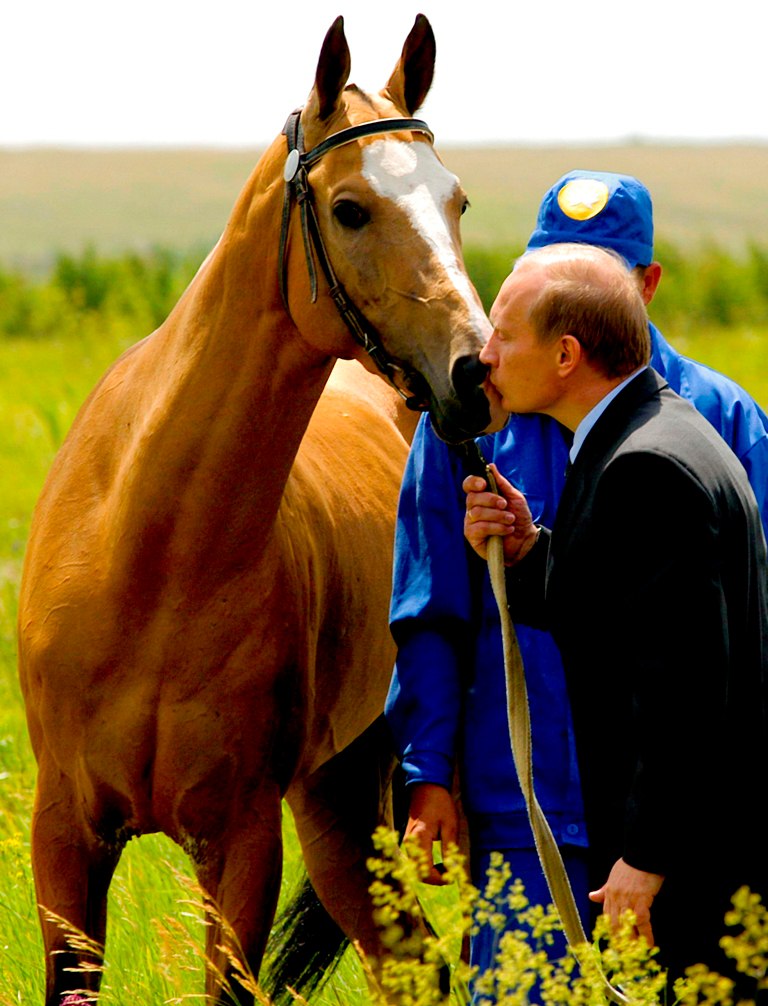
[653, 583]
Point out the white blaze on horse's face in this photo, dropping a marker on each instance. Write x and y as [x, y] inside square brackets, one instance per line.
[411, 175]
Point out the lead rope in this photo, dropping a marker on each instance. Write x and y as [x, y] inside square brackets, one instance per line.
[519, 723]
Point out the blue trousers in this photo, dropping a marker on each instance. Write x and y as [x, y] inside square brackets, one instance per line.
[525, 866]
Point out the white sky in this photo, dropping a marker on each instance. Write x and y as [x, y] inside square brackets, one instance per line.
[228, 72]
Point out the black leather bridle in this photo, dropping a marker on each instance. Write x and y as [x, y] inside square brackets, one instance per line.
[297, 189]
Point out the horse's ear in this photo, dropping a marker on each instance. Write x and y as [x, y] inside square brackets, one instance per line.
[412, 77]
[333, 68]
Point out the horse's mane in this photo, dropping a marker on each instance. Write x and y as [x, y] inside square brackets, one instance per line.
[360, 93]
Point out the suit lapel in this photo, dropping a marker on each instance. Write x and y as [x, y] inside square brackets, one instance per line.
[613, 426]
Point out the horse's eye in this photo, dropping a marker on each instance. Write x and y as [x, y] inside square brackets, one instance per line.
[464, 207]
[350, 215]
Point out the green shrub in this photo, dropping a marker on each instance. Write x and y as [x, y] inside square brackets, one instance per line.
[709, 288]
[88, 289]
[488, 267]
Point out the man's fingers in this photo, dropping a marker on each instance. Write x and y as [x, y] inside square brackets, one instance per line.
[424, 841]
[473, 484]
[645, 929]
[493, 522]
[488, 501]
[616, 912]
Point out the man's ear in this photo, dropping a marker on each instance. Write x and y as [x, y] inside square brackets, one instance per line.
[650, 282]
[569, 354]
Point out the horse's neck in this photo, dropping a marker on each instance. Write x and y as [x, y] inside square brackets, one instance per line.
[233, 386]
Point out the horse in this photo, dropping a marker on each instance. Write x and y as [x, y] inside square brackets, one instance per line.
[203, 608]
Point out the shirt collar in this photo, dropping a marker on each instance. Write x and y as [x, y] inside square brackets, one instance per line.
[584, 427]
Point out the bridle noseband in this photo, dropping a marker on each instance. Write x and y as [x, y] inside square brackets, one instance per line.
[295, 173]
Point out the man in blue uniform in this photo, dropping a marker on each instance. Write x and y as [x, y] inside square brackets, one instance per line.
[447, 705]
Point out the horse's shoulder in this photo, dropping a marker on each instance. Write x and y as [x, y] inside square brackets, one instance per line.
[350, 381]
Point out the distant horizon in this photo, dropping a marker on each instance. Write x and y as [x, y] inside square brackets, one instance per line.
[55, 199]
[628, 141]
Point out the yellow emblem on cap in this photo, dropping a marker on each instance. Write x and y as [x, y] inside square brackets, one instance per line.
[583, 198]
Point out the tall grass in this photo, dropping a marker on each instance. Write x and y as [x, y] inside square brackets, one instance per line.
[57, 336]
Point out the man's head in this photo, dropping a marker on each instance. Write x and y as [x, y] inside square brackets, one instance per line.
[604, 209]
[569, 324]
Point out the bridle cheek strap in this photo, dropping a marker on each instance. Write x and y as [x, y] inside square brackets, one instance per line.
[297, 190]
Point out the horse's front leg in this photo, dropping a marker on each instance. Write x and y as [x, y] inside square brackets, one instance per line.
[73, 868]
[240, 872]
[336, 810]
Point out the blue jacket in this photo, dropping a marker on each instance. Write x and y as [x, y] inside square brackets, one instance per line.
[447, 700]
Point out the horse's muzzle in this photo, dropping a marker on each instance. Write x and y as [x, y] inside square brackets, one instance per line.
[467, 375]
[467, 413]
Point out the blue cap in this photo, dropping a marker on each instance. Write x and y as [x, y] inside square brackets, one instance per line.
[598, 208]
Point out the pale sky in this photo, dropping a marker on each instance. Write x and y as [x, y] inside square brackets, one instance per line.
[228, 72]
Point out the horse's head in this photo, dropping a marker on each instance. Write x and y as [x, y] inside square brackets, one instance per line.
[387, 212]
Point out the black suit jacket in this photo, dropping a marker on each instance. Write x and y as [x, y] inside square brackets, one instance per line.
[653, 583]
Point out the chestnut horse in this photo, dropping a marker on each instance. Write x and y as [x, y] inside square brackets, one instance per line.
[203, 612]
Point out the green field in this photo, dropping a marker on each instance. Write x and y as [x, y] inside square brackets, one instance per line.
[63, 200]
[59, 332]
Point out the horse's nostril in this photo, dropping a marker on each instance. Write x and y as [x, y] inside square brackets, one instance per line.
[468, 374]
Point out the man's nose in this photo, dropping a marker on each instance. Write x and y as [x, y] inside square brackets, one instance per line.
[487, 353]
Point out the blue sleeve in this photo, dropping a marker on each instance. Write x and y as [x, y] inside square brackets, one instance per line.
[755, 461]
[431, 610]
[740, 422]
[735, 415]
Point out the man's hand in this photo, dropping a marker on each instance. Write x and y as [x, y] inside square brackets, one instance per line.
[506, 514]
[432, 818]
[626, 888]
